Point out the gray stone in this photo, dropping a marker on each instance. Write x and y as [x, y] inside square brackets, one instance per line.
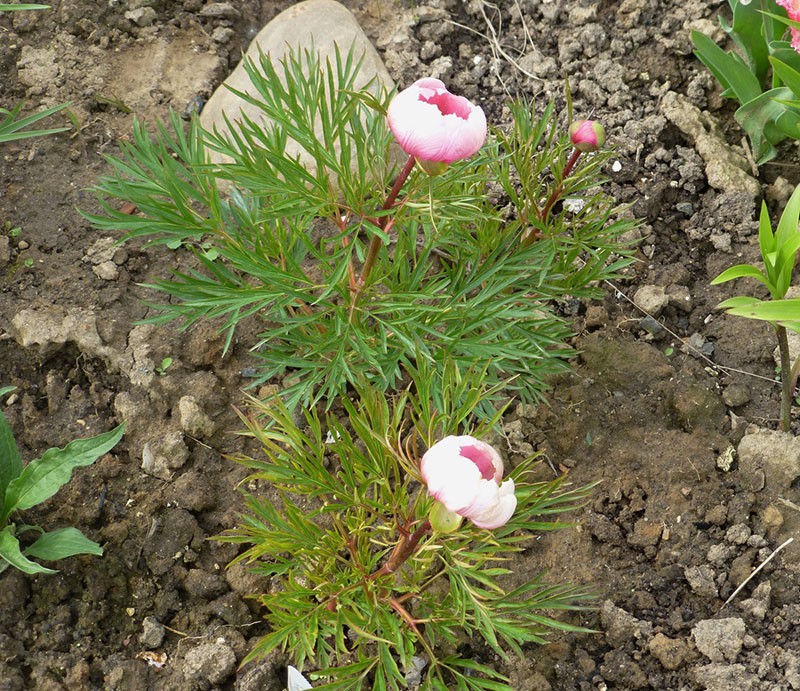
[101, 256]
[323, 24]
[106, 271]
[757, 605]
[724, 677]
[738, 534]
[720, 640]
[720, 554]
[701, 580]
[194, 421]
[414, 671]
[771, 457]
[50, 327]
[621, 626]
[164, 454]
[651, 299]
[735, 394]
[680, 297]
[142, 16]
[101, 250]
[219, 10]
[153, 632]
[725, 169]
[210, 662]
[222, 34]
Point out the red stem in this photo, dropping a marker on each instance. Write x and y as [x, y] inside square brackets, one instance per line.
[554, 196]
[375, 243]
[402, 551]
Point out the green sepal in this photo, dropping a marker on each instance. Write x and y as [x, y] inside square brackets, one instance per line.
[442, 519]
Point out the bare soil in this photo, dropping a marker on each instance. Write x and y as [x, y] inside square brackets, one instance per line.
[651, 411]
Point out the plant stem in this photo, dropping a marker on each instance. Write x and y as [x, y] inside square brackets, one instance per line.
[375, 243]
[786, 378]
[402, 551]
[556, 193]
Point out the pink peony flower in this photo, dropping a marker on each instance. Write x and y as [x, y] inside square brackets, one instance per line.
[432, 124]
[465, 474]
[587, 135]
[792, 8]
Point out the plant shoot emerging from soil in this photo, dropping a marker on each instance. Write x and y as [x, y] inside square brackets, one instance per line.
[23, 487]
[359, 266]
[779, 254]
[763, 74]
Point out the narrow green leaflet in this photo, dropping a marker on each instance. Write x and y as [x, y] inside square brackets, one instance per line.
[789, 76]
[786, 310]
[10, 462]
[728, 68]
[59, 544]
[43, 477]
[11, 129]
[5, 7]
[11, 553]
[740, 271]
[748, 25]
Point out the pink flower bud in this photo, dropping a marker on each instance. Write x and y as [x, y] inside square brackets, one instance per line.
[587, 135]
[432, 124]
[464, 474]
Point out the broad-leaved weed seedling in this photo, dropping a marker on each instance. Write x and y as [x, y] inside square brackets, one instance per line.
[24, 486]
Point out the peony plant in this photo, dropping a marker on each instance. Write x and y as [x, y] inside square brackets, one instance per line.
[418, 298]
[356, 264]
[373, 573]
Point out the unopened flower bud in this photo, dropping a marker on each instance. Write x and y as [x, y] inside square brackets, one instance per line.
[587, 135]
[465, 475]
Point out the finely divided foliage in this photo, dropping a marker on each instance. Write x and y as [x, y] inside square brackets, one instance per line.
[367, 278]
[458, 274]
[336, 509]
